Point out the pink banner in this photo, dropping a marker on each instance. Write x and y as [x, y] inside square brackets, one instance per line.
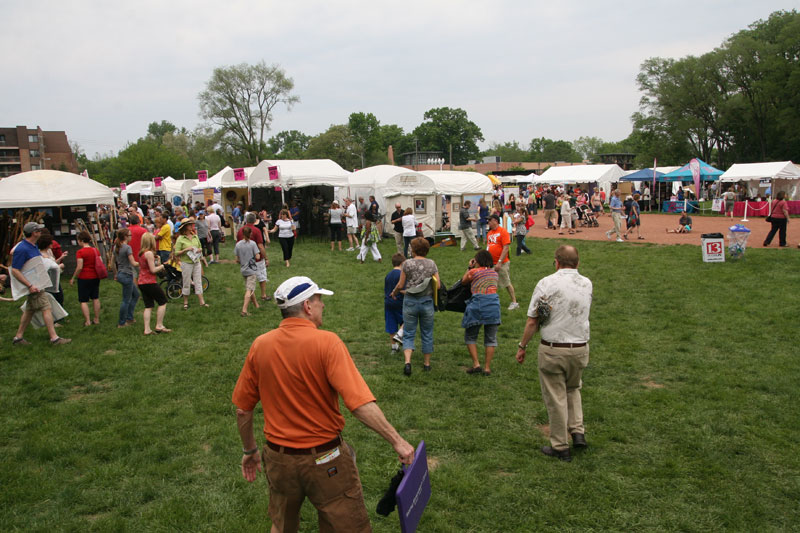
[156, 182]
[273, 173]
[277, 189]
[239, 175]
[122, 186]
[694, 166]
[202, 175]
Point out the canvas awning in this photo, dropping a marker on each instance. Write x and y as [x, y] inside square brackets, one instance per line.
[756, 171]
[571, 174]
[707, 173]
[214, 182]
[294, 173]
[52, 188]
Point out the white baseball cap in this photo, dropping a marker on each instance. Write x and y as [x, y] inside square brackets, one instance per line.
[296, 290]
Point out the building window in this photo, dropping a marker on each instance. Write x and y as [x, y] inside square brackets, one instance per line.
[33, 138]
[35, 153]
[36, 167]
[2, 139]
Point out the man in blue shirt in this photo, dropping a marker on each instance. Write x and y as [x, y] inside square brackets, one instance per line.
[616, 215]
[37, 298]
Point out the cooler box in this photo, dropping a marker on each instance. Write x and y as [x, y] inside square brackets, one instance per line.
[713, 245]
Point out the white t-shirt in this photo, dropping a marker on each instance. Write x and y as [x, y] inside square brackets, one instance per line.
[285, 228]
[213, 222]
[570, 298]
[409, 226]
[352, 216]
[216, 207]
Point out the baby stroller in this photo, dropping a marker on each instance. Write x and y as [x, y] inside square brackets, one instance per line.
[172, 284]
[587, 217]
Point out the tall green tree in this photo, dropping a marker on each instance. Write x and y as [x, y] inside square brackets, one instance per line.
[548, 150]
[240, 101]
[291, 144]
[445, 128]
[509, 151]
[366, 128]
[156, 130]
[588, 147]
[337, 143]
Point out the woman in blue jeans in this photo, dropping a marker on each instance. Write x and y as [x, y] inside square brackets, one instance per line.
[483, 219]
[420, 277]
[125, 274]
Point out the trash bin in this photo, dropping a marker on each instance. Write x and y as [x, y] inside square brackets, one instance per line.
[737, 240]
[713, 245]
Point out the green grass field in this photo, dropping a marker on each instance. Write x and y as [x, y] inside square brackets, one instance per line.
[690, 401]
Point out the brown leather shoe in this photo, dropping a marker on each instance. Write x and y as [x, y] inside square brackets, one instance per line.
[579, 440]
[563, 455]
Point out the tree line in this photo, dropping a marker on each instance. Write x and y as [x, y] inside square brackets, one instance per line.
[737, 103]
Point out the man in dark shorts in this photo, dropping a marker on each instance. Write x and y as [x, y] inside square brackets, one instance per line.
[37, 298]
[297, 372]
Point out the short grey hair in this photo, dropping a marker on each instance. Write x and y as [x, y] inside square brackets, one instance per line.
[250, 218]
[296, 310]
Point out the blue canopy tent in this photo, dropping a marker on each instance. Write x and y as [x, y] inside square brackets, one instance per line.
[707, 173]
[646, 174]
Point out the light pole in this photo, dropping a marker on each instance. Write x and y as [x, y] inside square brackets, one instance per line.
[436, 161]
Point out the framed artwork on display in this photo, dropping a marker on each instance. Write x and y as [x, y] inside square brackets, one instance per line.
[419, 205]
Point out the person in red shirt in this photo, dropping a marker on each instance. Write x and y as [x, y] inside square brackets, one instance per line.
[498, 242]
[137, 230]
[779, 216]
[88, 280]
[297, 372]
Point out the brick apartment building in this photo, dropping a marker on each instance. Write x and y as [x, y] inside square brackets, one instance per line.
[23, 149]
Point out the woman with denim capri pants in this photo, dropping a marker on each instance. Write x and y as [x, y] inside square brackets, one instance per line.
[483, 309]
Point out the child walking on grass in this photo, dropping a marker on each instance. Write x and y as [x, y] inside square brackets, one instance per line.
[248, 256]
[393, 307]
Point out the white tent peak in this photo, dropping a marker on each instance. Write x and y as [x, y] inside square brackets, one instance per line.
[51, 188]
[755, 171]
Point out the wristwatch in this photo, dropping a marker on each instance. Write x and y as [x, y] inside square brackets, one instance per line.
[521, 347]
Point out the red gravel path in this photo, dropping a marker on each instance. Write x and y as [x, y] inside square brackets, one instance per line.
[654, 226]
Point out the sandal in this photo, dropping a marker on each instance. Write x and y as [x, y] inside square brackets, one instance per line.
[185, 307]
[487, 372]
[641, 238]
[163, 330]
[475, 370]
[243, 314]
[146, 333]
[204, 305]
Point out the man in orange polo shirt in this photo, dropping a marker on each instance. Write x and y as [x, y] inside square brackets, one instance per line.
[498, 241]
[297, 372]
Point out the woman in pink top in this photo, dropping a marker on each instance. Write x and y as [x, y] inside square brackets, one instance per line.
[779, 213]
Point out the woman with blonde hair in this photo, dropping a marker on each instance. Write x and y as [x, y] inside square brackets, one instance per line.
[148, 286]
[190, 253]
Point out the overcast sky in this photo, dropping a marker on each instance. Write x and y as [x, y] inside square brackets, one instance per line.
[103, 70]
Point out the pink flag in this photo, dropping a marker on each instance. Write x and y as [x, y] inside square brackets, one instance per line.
[156, 182]
[122, 186]
[239, 175]
[202, 175]
[273, 173]
[694, 165]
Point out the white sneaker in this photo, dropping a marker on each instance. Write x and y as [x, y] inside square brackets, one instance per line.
[608, 235]
[513, 305]
[351, 249]
[395, 347]
[620, 240]
[398, 337]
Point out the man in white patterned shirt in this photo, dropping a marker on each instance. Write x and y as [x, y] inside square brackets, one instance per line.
[559, 308]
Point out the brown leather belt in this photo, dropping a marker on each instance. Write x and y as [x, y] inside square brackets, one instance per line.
[305, 451]
[563, 344]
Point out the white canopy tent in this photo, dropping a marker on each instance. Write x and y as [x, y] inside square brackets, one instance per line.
[424, 192]
[52, 188]
[603, 175]
[295, 173]
[782, 176]
[518, 179]
[173, 187]
[372, 181]
[214, 182]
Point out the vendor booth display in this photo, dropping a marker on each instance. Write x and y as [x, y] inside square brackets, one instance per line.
[62, 201]
[372, 181]
[603, 175]
[763, 180]
[211, 189]
[306, 185]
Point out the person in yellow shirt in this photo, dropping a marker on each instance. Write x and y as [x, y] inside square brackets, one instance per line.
[164, 238]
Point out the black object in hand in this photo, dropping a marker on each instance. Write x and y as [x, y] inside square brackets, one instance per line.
[389, 501]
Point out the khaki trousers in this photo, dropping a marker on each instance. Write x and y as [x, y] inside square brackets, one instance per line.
[398, 241]
[550, 214]
[617, 218]
[468, 233]
[560, 371]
